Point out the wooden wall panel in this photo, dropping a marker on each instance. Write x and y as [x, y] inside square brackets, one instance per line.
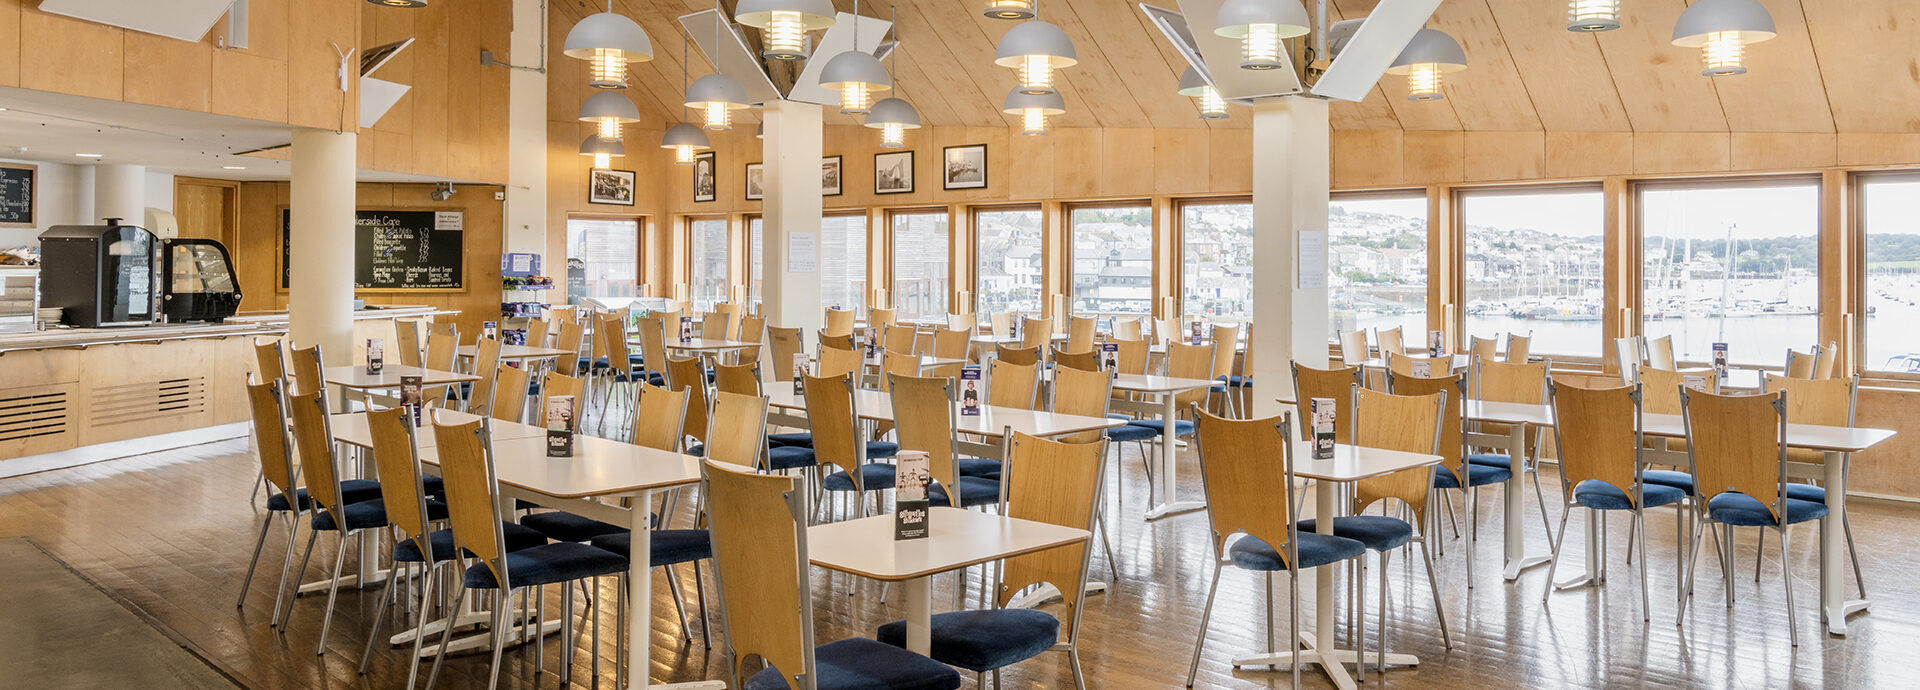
[1182, 161]
[167, 72]
[1435, 156]
[314, 98]
[70, 56]
[1231, 156]
[10, 26]
[1505, 155]
[1879, 149]
[1667, 152]
[1365, 158]
[1589, 154]
[1783, 150]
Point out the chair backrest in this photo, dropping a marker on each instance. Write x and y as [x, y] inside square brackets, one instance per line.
[1391, 340]
[443, 344]
[732, 314]
[406, 336]
[1597, 432]
[750, 329]
[1084, 361]
[1660, 388]
[1133, 355]
[1226, 346]
[1826, 402]
[739, 434]
[396, 455]
[759, 532]
[1127, 329]
[1037, 333]
[716, 326]
[784, 343]
[690, 375]
[1405, 365]
[896, 363]
[1829, 361]
[1084, 392]
[1660, 352]
[900, 338]
[1407, 423]
[952, 343]
[1244, 494]
[1002, 323]
[1012, 385]
[653, 342]
[308, 370]
[659, 420]
[833, 409]
[509, 393]
[268, 361]
[1353, 347]
[1017, 355]
[1058, 483]
[1627, 352]
[844, 342]
[313, 437]
[1080, 331]
[1735, 442]
[923, 416]
[1452, 447]
[465, 453]
[270, 434]
[1510, 382]
[1519, 347]
[557, 384]
[1334, 384]
[739, 379]
[839, 322]
[1165, 330]
[1189, 362]
[571, 333]
[878, 317]
[486, 358]
[538, 331]
[1484, 348]
[836, 361]
[1800, 365]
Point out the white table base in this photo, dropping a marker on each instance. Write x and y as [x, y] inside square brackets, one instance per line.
[1834, 604]
[1168, 459]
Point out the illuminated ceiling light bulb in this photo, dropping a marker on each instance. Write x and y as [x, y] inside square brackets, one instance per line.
[1212, 107]
[683, 155]
[602, 161]
[785, 23]
[716, 96]
[683, 139]
[607, 69]
[608, 42]
[1593, 15]
[609, 110]
[719, 118]
[1009, 9]
[893, 117]
[893, 136]
[856, 75]
[1035, 49]
[1033, 122]
[1260, 26]
[1430, 54]
[1722, 30]
[1033, 109]
[854, 98]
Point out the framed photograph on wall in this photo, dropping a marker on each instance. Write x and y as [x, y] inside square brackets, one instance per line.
[830, 176]
[756, 172]
[611, 187]
[964, 167]
[893, 173]
[703, 177]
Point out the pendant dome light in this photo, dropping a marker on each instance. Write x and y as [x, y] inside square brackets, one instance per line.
[1430, 54]
[856, 74]
[1033, 109]
[608, 41]
[684, 138]
[1009, 9]
[716, 96]
[1586, 16]
[1035, 49]
[893, 116]
[1212, 107]
[610, 110]
[602, 150]
[786, 23]
[1261, 25]
[1722, 29]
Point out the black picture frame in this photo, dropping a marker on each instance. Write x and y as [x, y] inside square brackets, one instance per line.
[753, 182]
[833, 176]
[893, 172]
[706, 182]
[972, 162]
[607, 186]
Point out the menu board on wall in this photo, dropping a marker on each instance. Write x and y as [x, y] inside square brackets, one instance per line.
[16, 195]
[397, 250]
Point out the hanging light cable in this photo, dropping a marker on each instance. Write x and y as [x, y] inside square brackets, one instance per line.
[717, 95]
[893, 116]
[608, 41]
[1722, 30]
[682, 138]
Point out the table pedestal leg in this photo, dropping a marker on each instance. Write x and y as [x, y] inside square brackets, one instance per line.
[1834, 605]
[1046, 592]
[1589, 575]
[919, 616]
[1168, 461]
[1515, 538]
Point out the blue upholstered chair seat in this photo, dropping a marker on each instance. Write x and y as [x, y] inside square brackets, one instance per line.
[983, 640]
[698, 450]
[1181, 427]
[1500, 460]
[881, 450]
[562, 526]
[669, 546]
[874, 476]
[1741, 510]
[1378, 532]
[974, 491]
[549, 564]
[1673, 478]
[517, 537]
[1477, 475]
[351, 491]
[790, 457]
[370, 514]
[858, 663]
[1600, 495]
[802, 440]
[1129, 432]
[1238, 381]
[1315, 550]
[979, 467]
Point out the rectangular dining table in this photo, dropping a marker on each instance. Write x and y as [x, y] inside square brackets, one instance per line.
[1161, 393]
[992, 422]
[517, 353]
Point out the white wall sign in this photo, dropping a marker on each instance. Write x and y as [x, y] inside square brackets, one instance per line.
[801, 254]
[449, 220]
[1311, 257]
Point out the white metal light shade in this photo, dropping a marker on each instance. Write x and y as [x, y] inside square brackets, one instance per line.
[1009, 9]
[786, 23]
[1722, 29]
[893, 116]
[684, 139]
[856, 75]
[608, 42]
[610, 110]
[1261, 25]
[716, 96]
[1430, 54]
[1033, 109]
[1035, 49]
[1212, 107]
[1593, 15]
[602, 150]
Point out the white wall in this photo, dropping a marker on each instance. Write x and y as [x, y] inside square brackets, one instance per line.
[65, 197]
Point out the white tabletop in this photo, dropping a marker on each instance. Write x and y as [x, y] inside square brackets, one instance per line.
[1459, 361]
[991, 339]
[1150, 383]
[955, 539]
[517, 352]
[1353, 463]
[356, 376]
[1161, 348]
[599, 467]
[703, 345]
[351, 428]
[991, 421]
[1806, 436]
[925, 362]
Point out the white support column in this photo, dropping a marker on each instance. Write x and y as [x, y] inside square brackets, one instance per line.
[120, 191]
[526, 208]
[321, 294]
[792, 216]
[1291, 176]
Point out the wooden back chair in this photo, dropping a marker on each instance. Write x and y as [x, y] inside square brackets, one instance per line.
[739, 379]
[443, 347]
[1801, 365]
[509, 402]
[554, 384]
[1017, 355]
[962, 322]
[833, 409]
[1165, 330]
[1058, 484]
[1127, 329]
[1087, 360]
[1736, 444]
[465, 453]
[1626, 352]
[660, 418]
[1084, 392]
[751, 329]
[406, 341]
[268, 360]
[739, 434]
[844, 342]
[653, 342]
[1244, 493]
[1333, 384]
[536, 332]
[313, 438]
[1519, 347]
[1484, 348]
[1036, 333]
[690, 375]
[1829, 361]
[900, 338]
[1133, 355]
[896, 363]
[835, 361]
[1660, 388]
[1826, 402]
[1598, 434]
[1408, 423]
[1002, 323]
[1660, 352]
[572, 333]
[879, 318]
[486, 358]
[1226, 348]
[783, 343]
[730, 314]
[716, 326]
[952, 343]
[1012, 385]
[1406, 365]
[1189, 362]
[264, 399]
[759, 533]
[1080, 331]
[308, 370]
[402, 484]
[923, 417]
[1510, 382]
[1353, 347]
[1391, 340]
[839, 322]
[1452, 444]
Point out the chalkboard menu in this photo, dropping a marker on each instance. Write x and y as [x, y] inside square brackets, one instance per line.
[16, 195]
[397, 250]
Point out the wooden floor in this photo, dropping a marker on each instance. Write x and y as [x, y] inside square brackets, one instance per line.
[170, 532]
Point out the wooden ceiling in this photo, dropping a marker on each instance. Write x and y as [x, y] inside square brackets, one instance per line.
[1836, 66]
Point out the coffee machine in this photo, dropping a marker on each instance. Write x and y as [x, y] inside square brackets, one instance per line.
[101, 275]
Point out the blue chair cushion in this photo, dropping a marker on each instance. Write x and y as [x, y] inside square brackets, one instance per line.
[669, 546]
[1181, 427]
[1490, 460]
[1378, 532]
[698, 450]
[517, 537]
[1741, 510]
[1315, 550]
[1129, 432]
[858, 663]
[1600, 495]
[370, 514]
[979, 467]
[583, 363]
[974, 491]
[549, 564]
[1239, 381]
[983, 640]
[1673, 478]
[1806, 492]
[1477, 475]
[803, 440]
[881, 450]
[563, 526]
[874, 476]
[351, 491]
[790, 457]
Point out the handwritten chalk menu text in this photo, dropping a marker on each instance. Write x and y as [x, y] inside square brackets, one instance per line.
[398, 250]
[16, 195]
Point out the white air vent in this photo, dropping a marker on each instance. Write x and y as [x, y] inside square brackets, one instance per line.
[187, 20]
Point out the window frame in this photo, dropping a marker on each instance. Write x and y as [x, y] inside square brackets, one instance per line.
[688, 261]
[1454, 292]
[1855, 286]
[888, 214]
[641, 222]
[1177, 271]
[1428, 307]
[973, 248]
[1067, 210]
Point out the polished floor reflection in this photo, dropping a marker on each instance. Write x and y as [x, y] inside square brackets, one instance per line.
[170, 533]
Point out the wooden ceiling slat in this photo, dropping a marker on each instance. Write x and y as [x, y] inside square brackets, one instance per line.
[1658, 82]
[1414, 116]
[1152, 81]
[976, 48]
[1489, 95]
[1564, 71]
[1783, 66]
[922, 53]
[1094, 76]
[1869, 63]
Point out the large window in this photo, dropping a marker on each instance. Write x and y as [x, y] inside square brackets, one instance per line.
[1731, 262]
[1890, 214]
[1217, 266]
[1377, 264]
[1010, 262]
[707, 262]
[1532, 264]
[754, 271]
[843, 262]
[603, 258]
[1112, 260]
[920, 252]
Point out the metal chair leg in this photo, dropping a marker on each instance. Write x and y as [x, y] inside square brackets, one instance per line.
[1646, 609]
[379, 613]
[258, 545]
[420, 628]
[1693, 566]
[1760, 551]
[700, 595]
[1206, 612]
[1786, 575]
[1859, 579]
[446, 634]
[286, 568]
[1433, 583]
[286, 615]
[1553, 563]
[1383, 612]
[502, 612]
[679, 605]
[333, 592]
